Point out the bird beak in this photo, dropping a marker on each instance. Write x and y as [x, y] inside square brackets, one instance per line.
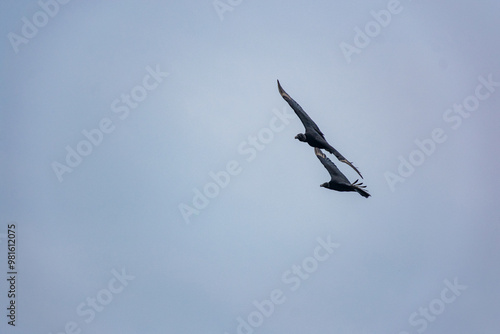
[297, 137]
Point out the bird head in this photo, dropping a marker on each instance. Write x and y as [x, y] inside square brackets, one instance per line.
[324, 185]
[301, 137]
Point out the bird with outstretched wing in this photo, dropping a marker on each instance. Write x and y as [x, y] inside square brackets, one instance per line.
[313, 135]
[339, 181]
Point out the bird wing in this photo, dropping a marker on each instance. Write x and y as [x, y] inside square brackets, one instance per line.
[341, 158]
[335, 173]
[304, 117]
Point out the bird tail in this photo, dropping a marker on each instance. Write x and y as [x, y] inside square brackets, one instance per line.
[359, 187]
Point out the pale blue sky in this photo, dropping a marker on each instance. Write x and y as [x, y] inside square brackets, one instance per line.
[179, 95]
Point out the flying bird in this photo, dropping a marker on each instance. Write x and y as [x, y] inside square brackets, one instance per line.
[338, 180]
[313, 135]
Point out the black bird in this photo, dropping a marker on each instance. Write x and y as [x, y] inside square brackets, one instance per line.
[338, 180]
[313, 135]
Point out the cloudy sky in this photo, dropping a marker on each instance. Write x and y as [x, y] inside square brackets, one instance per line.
[153, 183]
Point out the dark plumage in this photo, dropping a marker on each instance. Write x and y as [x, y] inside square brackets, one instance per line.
[338, 180]
[313, 135]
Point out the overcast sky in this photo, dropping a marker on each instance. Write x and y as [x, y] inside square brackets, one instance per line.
[150, 169]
